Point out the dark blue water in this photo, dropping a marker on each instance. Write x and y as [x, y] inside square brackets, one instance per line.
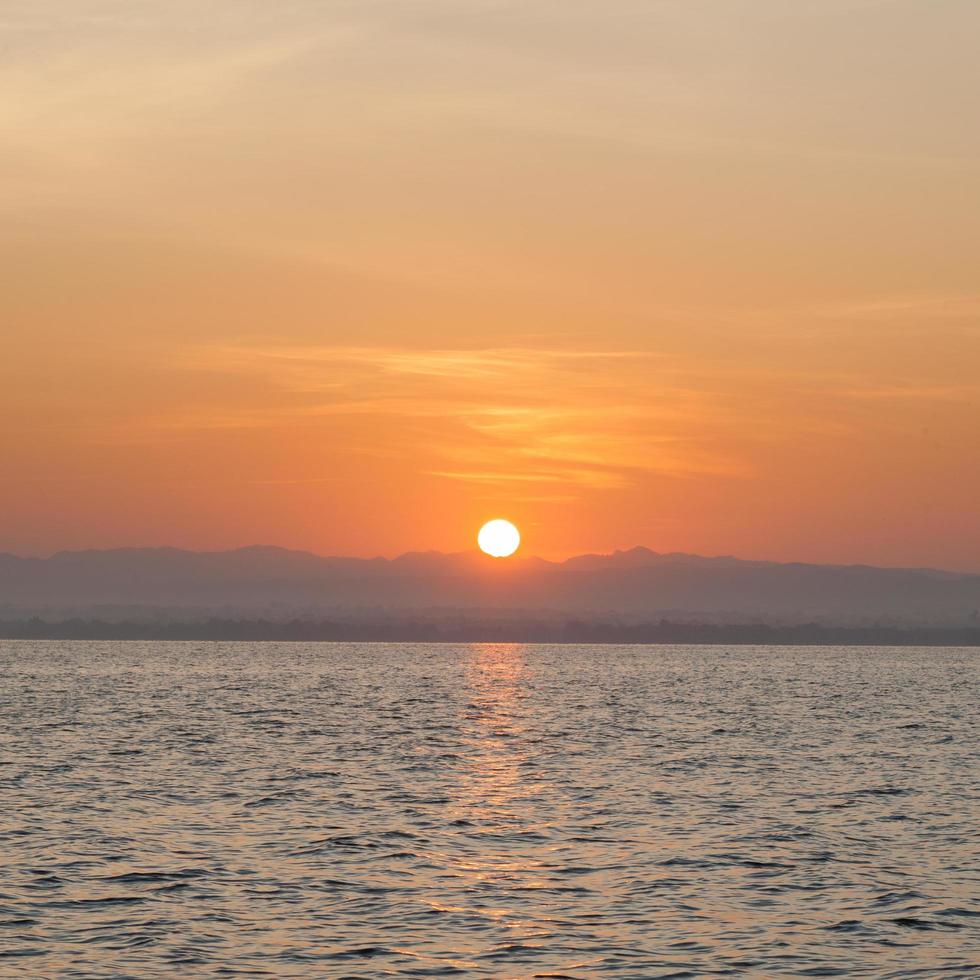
[318, 810]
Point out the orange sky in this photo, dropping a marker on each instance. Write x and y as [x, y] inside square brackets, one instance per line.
[356, 276]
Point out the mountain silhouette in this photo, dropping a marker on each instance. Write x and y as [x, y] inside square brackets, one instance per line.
[633, 584]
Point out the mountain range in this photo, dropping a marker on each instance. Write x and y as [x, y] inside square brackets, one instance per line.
[627, 586]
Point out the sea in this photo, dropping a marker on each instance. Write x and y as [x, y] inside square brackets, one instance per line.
[304, 810]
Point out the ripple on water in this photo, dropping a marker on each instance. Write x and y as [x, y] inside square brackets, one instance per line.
[365, 811]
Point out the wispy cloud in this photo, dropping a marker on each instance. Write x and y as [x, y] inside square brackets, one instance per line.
[914, 392]
[531, 419]
[927, 307]
[489, 416]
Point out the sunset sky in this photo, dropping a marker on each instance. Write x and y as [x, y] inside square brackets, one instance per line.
[356, 276]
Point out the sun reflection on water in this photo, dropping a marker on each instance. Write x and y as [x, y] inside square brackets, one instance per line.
[495, 781]
[495, 731]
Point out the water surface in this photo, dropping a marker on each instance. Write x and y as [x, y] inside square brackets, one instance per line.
[357, 810]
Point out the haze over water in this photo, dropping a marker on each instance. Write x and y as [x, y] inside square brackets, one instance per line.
[489, 811]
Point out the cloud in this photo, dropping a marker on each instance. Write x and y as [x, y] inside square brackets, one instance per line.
[914, 392]
[595, 419]
[929, 307]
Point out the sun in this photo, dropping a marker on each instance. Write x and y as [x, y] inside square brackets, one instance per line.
[499, 538]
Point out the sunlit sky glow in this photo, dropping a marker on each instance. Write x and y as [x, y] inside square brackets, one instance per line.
[354, 276]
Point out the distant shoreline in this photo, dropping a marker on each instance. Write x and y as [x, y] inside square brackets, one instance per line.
[572, 631]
